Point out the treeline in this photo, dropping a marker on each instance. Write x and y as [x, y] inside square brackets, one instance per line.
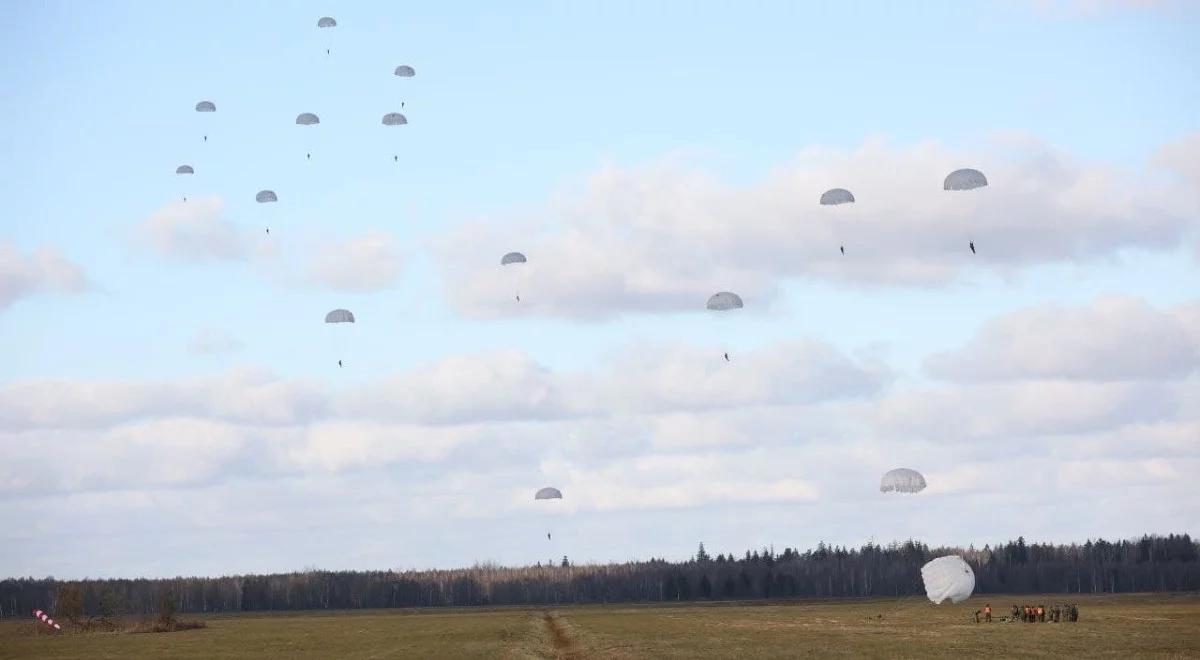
[1152, 563]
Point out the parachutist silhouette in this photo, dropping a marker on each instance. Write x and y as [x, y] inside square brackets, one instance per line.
[326, 51]
[843, 249]
[206, 138]
[308, 156]
[185, 198]
[547, 536]
[268, 231]
[518, 297]
[339, 363]
[972, 247]
[395, 159]
[727, 356]
[402, 104]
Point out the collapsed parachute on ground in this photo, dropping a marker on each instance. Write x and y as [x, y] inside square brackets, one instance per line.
[948, 578]
[206, 106]
[724, 301]
[405, 71]
[512, 258]
[548, 494]
[902, 480]
[965, 179]
[264, 196]
[394, 119]
[836, 196]
[184, 169]
[327, 22]
[339, 316]
[307, 119]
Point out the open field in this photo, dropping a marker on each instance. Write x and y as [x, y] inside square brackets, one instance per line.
[1124, 626]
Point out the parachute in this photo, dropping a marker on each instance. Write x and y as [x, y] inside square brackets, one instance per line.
[405, 71]
[184, 169]
[206, 106]
[516, 275]
[724, 301]
[264, 196]
[307, 119]
[965, 179]
[512, 258]
[394, 119]
[836, 196]
[340, 316]
[548, 494]
[949, 578]
[327, 22]
[902, 480]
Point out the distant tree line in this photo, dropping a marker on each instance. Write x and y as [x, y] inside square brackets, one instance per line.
[1152, 563]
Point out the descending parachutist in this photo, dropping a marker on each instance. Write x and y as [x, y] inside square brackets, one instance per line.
[339, 363]
[185, 198]
[726, 356]
[395, 159]
[268, 231]
[518, 298]
[547, 536]
[308, 156]
[206, 138]
[843, 248]
[326, 51]
[972, 247]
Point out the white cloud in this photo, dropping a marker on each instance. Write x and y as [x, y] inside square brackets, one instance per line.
[1110, 339]
[663, 239]
[195, 230]
[370, 262]
[42, 270]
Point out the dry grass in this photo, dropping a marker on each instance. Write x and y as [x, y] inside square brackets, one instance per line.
[1124, 626]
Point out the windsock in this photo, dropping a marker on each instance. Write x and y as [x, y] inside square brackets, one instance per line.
[46, 619]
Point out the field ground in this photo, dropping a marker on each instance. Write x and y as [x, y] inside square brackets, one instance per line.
[1120, 626]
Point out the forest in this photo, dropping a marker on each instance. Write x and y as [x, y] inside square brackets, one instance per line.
[1149, 564]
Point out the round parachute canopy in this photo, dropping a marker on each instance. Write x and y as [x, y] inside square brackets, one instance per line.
[264, 196]
[948, 578]
[967, 179]
[724, 301]
[405, 71]
[307, 119]
[206, 106]
[184, 169]
[512, 258]
[548, 494]
[326, 21]
[837, 196]
[902, 480]
[339, 316]
[394, 119]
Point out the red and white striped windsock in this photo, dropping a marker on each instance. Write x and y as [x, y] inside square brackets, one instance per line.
[46, 619]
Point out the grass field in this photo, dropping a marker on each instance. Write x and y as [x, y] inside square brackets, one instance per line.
[1125, 626]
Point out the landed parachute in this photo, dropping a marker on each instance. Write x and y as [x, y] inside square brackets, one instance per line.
[724, 301]
[394, 119]
[307, 119]
[185, 169]
[902, 480]
[965, 179]
[405, 71]
[512, 258]
[836, 196]
[326, 22]
[948, 578]
[340, 316]
[548, 494]
[265, 196]
[206, 106]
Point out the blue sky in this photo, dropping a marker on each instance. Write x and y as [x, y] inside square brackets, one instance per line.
[529, 125]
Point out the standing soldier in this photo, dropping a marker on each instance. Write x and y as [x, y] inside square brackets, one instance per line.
[987, 612]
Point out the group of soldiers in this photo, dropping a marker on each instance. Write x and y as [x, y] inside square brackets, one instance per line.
[1033, 613]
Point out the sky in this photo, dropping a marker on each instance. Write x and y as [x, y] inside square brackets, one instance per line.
[171, 401]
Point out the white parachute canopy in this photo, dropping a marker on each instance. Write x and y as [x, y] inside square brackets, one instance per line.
[307, 119]
[394, 119]
[339, 316]
[836, 196]
[965, 179]
[512, 258]
[902, 480]
[548, 493]
[265, 196]
[723, 301]
[185, 169]
[206, 106]
[326, 22]
[948, 578]
[405, 71]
